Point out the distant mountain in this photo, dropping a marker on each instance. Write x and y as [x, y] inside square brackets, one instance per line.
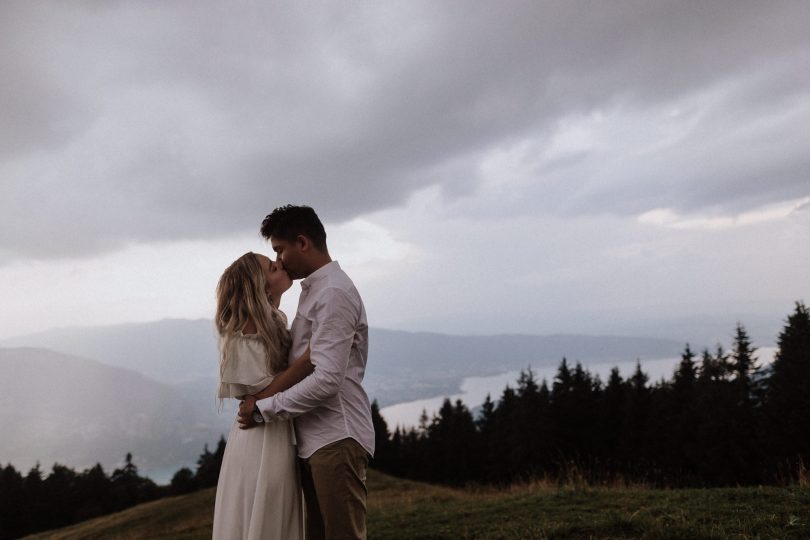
[60, 408]
[149, 388]
[403, 366]
[171, 350]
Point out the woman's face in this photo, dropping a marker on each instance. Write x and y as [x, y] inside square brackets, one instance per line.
[276, 280]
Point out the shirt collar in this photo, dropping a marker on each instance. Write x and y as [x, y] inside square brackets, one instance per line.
[319, 274]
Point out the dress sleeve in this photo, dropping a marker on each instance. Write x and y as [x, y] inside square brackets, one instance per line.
[247, 371]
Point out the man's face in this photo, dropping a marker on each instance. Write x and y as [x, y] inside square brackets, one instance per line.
[290, 256]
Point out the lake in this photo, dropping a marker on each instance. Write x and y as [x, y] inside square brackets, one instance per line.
[474, 390]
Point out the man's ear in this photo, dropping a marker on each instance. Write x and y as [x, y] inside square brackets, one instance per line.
[303, 242]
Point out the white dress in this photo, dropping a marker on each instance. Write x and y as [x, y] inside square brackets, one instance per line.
[259, 490]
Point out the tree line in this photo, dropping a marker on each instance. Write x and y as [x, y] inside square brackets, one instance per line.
[38, 502]
[722, 419]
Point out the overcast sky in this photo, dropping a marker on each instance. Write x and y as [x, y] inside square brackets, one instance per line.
[481, 167]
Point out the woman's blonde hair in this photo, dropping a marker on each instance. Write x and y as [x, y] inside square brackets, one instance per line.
[241, 298]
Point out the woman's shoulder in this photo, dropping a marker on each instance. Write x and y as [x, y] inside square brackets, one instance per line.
[241, 337]
[241, 344]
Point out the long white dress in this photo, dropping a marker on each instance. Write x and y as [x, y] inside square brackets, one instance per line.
[259, 490]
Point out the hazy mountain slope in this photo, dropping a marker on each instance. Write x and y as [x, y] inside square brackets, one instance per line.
[60, 408]
[169, 350]
[402, 365]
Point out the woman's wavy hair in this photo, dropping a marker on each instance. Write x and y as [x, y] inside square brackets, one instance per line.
[241, 298]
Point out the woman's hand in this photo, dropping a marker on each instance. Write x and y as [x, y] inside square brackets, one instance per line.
[246, 408]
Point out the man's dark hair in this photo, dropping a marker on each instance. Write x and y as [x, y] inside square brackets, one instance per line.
[287, 222]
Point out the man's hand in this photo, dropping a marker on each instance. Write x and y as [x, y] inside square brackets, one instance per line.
[246, 408]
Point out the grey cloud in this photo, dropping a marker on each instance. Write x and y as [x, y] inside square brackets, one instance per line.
[40, 111]
[220, 114]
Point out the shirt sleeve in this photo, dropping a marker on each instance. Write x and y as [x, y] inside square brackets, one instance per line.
[334, 320]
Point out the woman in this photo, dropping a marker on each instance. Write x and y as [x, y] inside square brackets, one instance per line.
[258, 494]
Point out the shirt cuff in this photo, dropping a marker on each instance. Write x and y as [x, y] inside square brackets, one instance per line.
[268, 408]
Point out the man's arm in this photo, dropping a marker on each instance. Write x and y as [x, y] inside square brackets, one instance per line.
[335, 318]
[299, 369]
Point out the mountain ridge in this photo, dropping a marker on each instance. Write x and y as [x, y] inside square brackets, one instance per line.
[148, 388]
[402, 366]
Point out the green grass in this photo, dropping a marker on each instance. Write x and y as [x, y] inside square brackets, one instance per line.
[183, 518]
[401, 509]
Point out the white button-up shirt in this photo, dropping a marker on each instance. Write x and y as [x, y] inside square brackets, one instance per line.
[330, 404]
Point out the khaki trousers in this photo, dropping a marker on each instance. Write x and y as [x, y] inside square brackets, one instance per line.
[334, 483]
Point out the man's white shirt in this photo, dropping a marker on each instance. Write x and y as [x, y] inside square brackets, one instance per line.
[330, 404]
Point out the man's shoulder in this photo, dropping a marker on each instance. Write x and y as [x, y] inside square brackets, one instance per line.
[338, 279]
[338, 289]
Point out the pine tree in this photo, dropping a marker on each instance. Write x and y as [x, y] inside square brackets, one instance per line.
[504, 453]
[743, 365]
[396, 464]
[60, 486]
[94, 489]
[13, 512]
[715, 367]
[686, 374]
[562, 381]
[183, 482]
[718, 457]
[209, 464]
[36, 497]
[453, 444]
[488, 447]
[637, 412]
[382, 441]
[788, 398]
[125, 483]
[613, 418]
[683, 417]
[485, 415]
[424, 422]
[561, 432]
[530, 425]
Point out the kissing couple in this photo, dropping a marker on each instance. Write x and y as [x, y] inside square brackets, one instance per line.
[299, 388]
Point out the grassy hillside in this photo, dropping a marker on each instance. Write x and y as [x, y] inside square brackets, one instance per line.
[400, 509]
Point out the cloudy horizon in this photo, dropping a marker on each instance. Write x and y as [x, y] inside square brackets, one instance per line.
[626, 168]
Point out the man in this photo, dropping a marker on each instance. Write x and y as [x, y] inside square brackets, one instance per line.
[331, 409]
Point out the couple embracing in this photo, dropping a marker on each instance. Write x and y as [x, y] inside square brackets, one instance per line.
[298, 388]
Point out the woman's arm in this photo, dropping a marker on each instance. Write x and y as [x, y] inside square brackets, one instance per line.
[297, 371]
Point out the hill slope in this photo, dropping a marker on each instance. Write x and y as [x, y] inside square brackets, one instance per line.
[75, 411]
[402, 509]
[170, 350]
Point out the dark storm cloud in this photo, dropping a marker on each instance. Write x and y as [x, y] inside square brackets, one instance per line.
[158, 121]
